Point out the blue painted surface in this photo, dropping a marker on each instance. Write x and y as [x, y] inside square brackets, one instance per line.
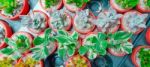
[112, 61]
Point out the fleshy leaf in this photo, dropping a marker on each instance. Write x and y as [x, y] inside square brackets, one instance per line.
[61, 52]
[101, 36]
[71, 51]
[75, 35]
[120, 35]
[62, 32]
[38, 41]
[82, 50]
[7, 51]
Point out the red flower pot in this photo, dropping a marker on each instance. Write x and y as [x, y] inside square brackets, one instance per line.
[58, 6]
[67, 28]
[117, 7]
[71, 58]
[68, 6]
[85, 31]
[55, 43]
[46, 22]
[147, 35]
[28, 35]
[124, 26]
[134, 57]
[116, 53]
[25, 9]
[140, 7]
[8, 32]
[41, 62]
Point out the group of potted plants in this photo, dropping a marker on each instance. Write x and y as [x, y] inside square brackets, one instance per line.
[61, 33]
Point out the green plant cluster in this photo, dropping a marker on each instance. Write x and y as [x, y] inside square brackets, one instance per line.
[147, 3]
[78, 3]
[8, 6]
[127, 3]
[49, 3]
[144, 56]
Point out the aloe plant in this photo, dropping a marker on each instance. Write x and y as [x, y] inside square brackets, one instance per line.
[59, 19]
[94, 45]
[16, 47]
[78, 3]
[42, 43]
[50, 3]
[67, 44]
[127, 3]
[82, 19]
[144, 57]
[136, 21]
[8, 6]
[119, 41]
[107, 19]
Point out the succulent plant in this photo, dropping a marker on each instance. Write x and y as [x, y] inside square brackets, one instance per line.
[94, 45]
[119, 41]
[41, 49]
[107, 19]
[67, 45]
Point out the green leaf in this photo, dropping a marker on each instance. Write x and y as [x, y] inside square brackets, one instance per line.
[10, 42]
[62, 39]
[27, 43]
[103, 44]
[35, 49]
[102, 51]
[36, 56]
[7, 51]
[45, 51]
[61, 52]
[47, 32]
[71, 51]
[101, 36]
[75, 35]
[15, 56]
[121, 35]
[62, 32]
[38, 41]
[83, 50]
[127, 47]
[92, 55]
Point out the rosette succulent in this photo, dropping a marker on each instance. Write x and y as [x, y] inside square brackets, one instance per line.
[126, 4]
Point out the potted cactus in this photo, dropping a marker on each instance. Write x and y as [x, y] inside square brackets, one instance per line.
[78, 61]
[119, 43]
[123, 6]
[28, 61]
[51, 4]
[143, 6]
[67, 44]
[94, 45]
[12, 9]
[44, 45]
[140, 56]
[108, 21]
[36, 22]
[83, 22]
[5, 31]
[59, 19]
[75, 5]
[134, 22]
